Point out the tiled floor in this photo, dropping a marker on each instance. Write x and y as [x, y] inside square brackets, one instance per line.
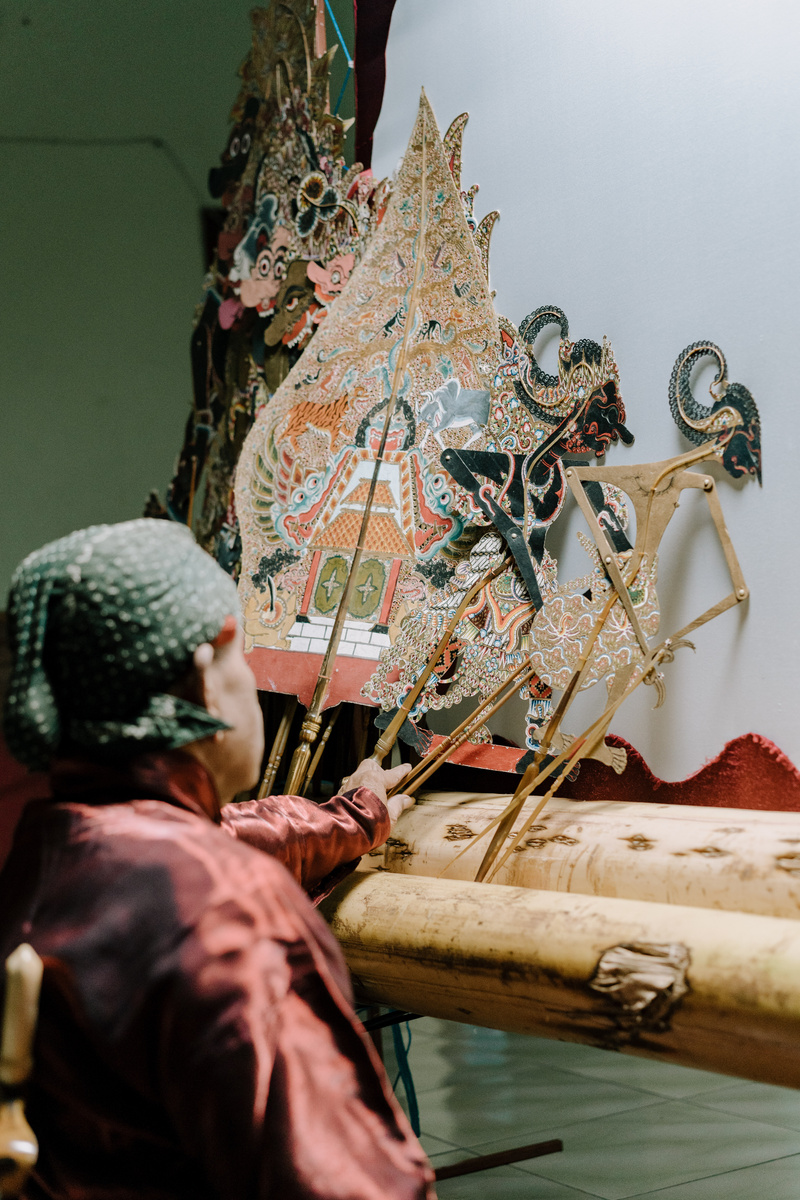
[630, 1127]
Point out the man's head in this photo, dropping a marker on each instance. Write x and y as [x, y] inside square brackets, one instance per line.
[108, 627]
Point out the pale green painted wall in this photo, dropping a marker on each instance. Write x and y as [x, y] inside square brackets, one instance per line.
[100, 248]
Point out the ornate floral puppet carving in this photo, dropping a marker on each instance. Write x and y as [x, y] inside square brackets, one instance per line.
[614, 641]
[516, 482]
[729, 431]
[306, 467]
[297, 219]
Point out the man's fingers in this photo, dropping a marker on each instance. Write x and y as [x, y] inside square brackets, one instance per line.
[394, 774]
[371, 775]
[398, 804]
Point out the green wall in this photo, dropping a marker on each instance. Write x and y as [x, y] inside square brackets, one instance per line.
[101, 247]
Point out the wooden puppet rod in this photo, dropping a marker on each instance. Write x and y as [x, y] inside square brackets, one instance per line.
[582, 747]
[486, 709]
[278, 748]
[389, 736]
[323, 741]
[310, 728]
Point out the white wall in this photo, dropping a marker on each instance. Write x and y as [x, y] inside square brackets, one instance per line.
[643, 157]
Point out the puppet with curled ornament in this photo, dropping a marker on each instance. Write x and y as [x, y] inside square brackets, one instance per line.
[516, 483]
[604, 626]
[728, 431]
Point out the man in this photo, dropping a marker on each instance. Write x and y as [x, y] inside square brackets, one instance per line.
[196, 1034]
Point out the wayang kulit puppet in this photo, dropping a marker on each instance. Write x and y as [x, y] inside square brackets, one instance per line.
[413, 331]
[296, 222]
[397, 493]
[516, 482]
[399, 451]
[604, 631]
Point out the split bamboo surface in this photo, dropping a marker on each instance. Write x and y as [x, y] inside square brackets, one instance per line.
[719, 858]
[703, 988]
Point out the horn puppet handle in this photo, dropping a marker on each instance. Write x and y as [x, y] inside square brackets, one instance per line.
[19, 1148]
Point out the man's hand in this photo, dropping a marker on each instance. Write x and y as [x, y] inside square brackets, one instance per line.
[370, 774]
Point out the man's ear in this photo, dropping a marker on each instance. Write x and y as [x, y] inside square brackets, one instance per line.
[203, 659]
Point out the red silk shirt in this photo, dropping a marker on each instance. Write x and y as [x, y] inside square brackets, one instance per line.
[196, 1034]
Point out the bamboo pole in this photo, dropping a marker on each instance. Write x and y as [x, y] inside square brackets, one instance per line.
[708, 989]
[582, 747]
[278, 749]
[18, 1146]
[310, 728]
[723, 858]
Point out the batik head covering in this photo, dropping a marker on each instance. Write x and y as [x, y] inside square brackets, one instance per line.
[101, 624]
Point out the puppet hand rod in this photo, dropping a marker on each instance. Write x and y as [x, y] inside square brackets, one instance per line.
[486, 709]
[389, 736]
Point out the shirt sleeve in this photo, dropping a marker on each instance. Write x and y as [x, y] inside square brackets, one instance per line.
[319, 844]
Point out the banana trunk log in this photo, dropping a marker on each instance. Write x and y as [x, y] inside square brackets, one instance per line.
[722, 858]
[708, 989]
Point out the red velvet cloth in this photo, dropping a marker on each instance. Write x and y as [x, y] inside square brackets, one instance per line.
[749, 772]
[196, 1036]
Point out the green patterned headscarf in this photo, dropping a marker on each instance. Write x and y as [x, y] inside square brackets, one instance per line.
[101, 624]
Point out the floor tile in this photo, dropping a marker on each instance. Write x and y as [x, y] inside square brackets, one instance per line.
[756, 1102]
[481, 1106]
[460, 1052]
[471, 1045]
[434, 1146]
[505, 1183]
[660, 1078]
[777, 1180]
[658, 1146]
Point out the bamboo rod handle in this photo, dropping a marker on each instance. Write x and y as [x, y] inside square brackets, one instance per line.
[446, 749]
[298, 768]
[580, 748]
[476, 717]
